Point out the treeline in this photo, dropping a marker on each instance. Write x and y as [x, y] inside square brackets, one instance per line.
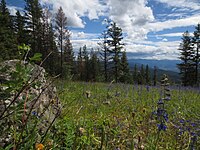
[190, 57]
[107, 63]
[35, 28]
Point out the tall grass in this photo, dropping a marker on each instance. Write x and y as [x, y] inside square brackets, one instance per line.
[119, 116]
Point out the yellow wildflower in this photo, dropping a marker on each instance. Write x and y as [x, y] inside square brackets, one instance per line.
[39, 146]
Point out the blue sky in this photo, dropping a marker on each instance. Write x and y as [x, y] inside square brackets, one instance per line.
[153, 28]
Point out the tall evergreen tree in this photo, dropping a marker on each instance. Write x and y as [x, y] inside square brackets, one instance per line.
[86, 68]
[61, 24]
[68, 58]
[155, 76]
[94, 66]
[135, 74]
[147, 75]
[8, 42]
[116, 45]
[80, 65]
[33, 14]
[21, 33]
[124, 70]
[105, 54]
[196, 57]
[186, 55]
[49, 49]
[142, 72]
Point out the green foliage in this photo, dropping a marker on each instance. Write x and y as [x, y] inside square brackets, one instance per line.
[120, 116]
[22, 127]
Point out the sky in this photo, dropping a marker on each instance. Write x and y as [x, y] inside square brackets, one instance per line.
[152, 29]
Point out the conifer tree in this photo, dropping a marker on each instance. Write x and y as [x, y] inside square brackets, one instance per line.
[68, 58]
[49, 49]
[62, 32]
[105, 54]
[124, 69]
[147, 75]
[135, 74]
[186, 55]
[33, 16]
[155, 76]
[8, 42]
[196, 57]
[94, 66]
[86, 69]
[80, 65]
[116, 45]
[142, 73]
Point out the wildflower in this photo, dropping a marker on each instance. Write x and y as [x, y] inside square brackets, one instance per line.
[82, 130]
[88, 94]
[147, 88]
[39, 146]
[34, 113]
[162, 126]
[161, 112]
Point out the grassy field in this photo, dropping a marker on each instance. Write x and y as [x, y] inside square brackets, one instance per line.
[120, 116]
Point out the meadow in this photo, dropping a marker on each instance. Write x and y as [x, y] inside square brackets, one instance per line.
[97, 116]
[118, 116]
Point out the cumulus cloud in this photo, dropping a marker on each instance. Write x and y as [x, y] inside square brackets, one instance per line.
[131, 16]
[135, 18]
[75, 9]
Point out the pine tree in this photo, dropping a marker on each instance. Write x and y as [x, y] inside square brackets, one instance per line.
[61, 24]
[80, 65]
[33, 16]
[49, 49]
[196, 57]
[68, 58]
[21, 33]
[124, 69]
[155, 76]
[104, 54]
[86, 69]
[135, 74]
[115, 44]
[94, 66]
[142, 73]
[147, 75]
[8, 42]
[186, 55]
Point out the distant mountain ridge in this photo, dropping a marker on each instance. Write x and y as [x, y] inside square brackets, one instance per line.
[168, 65]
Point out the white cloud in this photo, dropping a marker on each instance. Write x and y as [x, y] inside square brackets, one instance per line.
[179, 34]
[13, 9]
[79, 39]
[75, 9]
[154, 50]
[164, 40]
[191, 4]
[169, 24]
[135, 18]
[131, 16]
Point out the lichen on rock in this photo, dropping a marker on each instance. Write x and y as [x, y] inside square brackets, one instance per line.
[26, 94]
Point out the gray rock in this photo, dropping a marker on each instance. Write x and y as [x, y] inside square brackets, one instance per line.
[38, 98]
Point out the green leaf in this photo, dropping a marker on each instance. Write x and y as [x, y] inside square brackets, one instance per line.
[36, 57]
